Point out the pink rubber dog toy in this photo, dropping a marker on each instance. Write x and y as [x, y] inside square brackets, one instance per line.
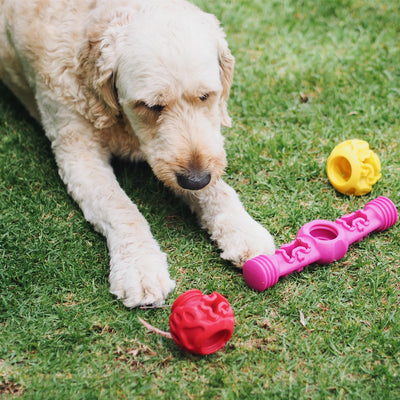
[320, 241]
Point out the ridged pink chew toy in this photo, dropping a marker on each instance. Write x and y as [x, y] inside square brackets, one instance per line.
[320, 241]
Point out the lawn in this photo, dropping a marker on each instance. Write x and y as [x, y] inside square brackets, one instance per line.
[309, 74]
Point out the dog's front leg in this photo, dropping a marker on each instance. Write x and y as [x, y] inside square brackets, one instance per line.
[139, 271]
[221, 212]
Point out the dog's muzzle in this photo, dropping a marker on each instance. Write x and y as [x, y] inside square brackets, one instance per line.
[193, 180]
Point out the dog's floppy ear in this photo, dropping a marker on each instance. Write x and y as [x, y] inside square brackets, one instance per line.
[226, 65]
[97, 73]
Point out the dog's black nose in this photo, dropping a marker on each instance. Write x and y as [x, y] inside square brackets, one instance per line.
[193, 180]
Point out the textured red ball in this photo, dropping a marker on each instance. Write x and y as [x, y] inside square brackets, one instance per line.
[201, 324]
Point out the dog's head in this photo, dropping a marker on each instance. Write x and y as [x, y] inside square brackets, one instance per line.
[168, 69]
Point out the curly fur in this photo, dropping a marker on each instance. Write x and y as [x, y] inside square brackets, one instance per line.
[140, 79]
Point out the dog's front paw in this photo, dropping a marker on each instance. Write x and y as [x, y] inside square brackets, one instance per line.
[142, 281]
[242, 239]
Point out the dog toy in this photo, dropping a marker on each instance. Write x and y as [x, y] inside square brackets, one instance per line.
[200, 324]
[320, 241]
[353, 168]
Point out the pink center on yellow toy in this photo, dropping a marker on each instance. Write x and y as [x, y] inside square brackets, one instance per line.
[353, 168]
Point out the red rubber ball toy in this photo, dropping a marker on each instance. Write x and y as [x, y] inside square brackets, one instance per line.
[201, 324]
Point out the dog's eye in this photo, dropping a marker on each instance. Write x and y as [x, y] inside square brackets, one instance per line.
[204, 97]
[157, 108]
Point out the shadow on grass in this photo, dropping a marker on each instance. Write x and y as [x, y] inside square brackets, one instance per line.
[11, 108]
[148, 193]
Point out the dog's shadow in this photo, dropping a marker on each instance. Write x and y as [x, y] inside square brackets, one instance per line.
[156, 202]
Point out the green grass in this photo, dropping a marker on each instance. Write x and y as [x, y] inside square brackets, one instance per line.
[63, 336]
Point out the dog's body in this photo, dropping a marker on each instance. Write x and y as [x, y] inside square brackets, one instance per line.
[140, 79]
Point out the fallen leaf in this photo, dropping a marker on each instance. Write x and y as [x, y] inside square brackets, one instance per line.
[302, 319]
[303, 98]
[12, 388]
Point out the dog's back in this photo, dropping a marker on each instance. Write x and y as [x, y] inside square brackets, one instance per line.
[31, 43]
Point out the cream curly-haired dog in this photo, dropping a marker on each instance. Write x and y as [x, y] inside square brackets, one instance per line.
[141, 79]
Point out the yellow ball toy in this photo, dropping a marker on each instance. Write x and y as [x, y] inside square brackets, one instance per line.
[353, 168]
